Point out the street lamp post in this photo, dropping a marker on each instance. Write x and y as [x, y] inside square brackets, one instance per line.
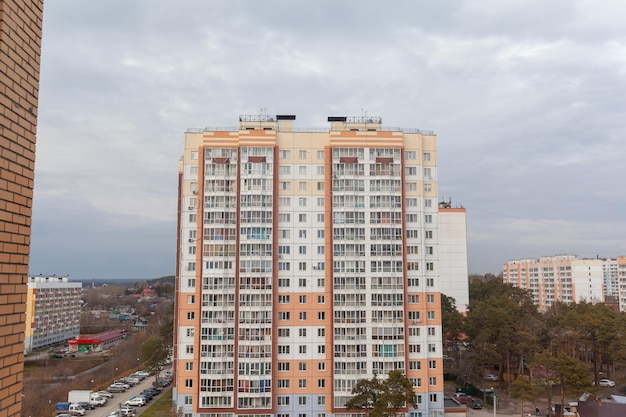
[495, 401]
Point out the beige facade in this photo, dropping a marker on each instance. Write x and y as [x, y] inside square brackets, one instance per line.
[20, 48]
[308, 259]
[562, 278]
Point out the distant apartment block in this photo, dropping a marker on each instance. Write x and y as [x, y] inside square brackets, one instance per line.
[20, 50]
[52, 311]
[308, 259]
[453, 254]
[621, 277]
[562, 278]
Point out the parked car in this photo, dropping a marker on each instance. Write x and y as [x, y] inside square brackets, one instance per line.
[86, 405]
[136, 402]
[116, 388]
[128, 411]
[462, 397]
[475, 404]
[148, 394]
[104, 394]
[491, 377]
[606, 383]
[122, 383]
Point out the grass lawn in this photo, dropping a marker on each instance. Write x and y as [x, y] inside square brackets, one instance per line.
[161, 407]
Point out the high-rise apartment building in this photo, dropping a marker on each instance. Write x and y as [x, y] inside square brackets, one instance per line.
[52, 311]
[20, 49]
[308, 260]
[453, 253]
[562, 278]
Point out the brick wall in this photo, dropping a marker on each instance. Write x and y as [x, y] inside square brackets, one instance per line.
[20, 50]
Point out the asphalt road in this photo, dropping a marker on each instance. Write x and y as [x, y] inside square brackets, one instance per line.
[120, 397]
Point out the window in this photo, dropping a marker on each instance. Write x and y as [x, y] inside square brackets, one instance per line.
[321, 299]
[283, 315]
[320, 170]
[430, 266]
[430, 298]
[409, 171]
[191, 282]
[285, 349]
[284, 233]
[428, 187]
[321, 332]
[426, 156]
[428, 173]
[430, 250]
[321, 400]
[302, 266]
[432, 398]
[430, 282]
[320, 186]
[188, 383]
[432, 381]
[302, 234]
[188, 399]
[283, 383]
[302, 250]
[302, 332]
[191, 315]
[282, 400]
[302, 201]
[188, 366]
[414, 331]
[283, 282]
[190, 332]
[320, 217]
[284, 154]
[191, 299]
[189, 349]
[431, 315]
[302, 185]
[302, 366]
[302, 170]
[194, 155]
[321, 366]
[283, 366]
[432, 364]
[320, 201]
[428, 203]
[283, 332]
[320, 154]
[302, 383]
[302, 299]
[284, 201]
[320, 250]
[415, 365]
[413, 298]
[432, 348]
[411, 202]
[302, 282]
[284, 170]
[321, 282]
[302, 154]
[428, 218]
[321, 383]
[428, 234]
[410, 155]
[302, 400]
[284, 266]
[192, 218]
[321, 315]
[302, 315]
[411, 186]
[284, 185]
[320, 234]
[284, 217]
[321, 349]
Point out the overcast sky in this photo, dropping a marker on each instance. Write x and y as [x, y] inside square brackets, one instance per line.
[527, 99]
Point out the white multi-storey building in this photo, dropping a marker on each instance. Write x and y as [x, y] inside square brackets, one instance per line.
[453, 254]
[308, 259]
[562, 278]
[52, 311]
